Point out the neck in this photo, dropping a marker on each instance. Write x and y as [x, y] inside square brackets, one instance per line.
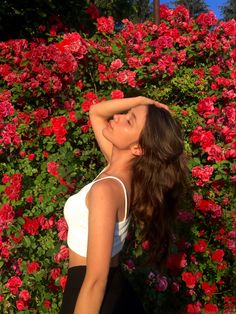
[120, 163]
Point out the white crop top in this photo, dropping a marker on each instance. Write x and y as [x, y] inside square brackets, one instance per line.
[76, 216]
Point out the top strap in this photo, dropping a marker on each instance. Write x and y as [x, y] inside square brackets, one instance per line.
[104, 169]
[125, 192]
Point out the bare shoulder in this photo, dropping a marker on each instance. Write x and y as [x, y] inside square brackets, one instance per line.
[108, 190]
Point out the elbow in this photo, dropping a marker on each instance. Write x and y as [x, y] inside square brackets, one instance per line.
[92, 110]
[95, 284]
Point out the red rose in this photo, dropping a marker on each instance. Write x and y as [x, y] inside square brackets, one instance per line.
[203, 173]
[102, 68]
[52, 167]
[47, 304]
[207, 19]
[116, 64]
[7, 215]
[164, 42]
[93, 11]
[210, 308]
[20, 304]
[134, 62]
[85, 128]
[122, 77]
[189, 279]
[145, 245]
[17, 237]
[31, 226]
[29, 199]
[32, 267]
[174, 287]
[105, 24]
[6, 109]
[69, 105]
[86, 105]
[200, 246]
[13, 190]
[45, 154]
[205, 138]
[217, 256]
[24, 295]
[91, 96]
[102, 77]
[55, 273]
[117, 94]
[62, 254]
[46, 131]
[194, 308]
[208, 289]
[72, 116]
[215, 70]
[6, 178]
[40, 114]
[62, 228]
[46, 223]
[79, 84]
[177, 261]
[210, 206]
[13, 284]
[215, 153]
[63, 280]
[58, 127]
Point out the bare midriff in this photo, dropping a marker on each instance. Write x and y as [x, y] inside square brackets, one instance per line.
[78, 260]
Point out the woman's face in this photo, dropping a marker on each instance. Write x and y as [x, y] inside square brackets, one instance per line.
[123, 130]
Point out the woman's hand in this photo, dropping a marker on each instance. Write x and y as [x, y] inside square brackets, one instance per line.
[148, 101]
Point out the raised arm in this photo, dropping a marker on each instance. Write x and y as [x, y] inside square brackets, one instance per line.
[100, 114]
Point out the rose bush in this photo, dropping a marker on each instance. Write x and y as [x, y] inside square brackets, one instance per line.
[48, 152]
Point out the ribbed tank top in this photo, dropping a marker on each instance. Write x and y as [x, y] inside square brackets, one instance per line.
[76, 216]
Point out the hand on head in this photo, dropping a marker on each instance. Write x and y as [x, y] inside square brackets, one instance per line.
[149, 101]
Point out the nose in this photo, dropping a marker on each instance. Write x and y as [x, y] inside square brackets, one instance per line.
[116, 117]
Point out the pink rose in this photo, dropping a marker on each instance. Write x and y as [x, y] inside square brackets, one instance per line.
[116, 64]
[105, 24]
[52, 167]
[62, 254]
[20, 304]
[55, 273]
[24, 295]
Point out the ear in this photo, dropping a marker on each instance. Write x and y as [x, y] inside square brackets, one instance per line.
[137, 150]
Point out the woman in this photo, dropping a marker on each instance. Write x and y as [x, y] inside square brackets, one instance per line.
[145, 171]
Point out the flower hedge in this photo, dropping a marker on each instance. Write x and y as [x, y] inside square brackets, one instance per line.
[48, 152]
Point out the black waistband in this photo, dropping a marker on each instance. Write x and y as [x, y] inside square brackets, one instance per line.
[84, 267]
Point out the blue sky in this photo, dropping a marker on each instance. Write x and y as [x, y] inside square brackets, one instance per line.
[212, 4]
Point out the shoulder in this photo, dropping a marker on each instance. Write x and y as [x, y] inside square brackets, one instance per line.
[107, 184]
[107, 189]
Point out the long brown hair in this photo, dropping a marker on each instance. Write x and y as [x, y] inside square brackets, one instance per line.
[159, 177]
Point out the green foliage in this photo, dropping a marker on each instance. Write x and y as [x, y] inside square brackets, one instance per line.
[134, 10]
[195, 7]
[229, 10]
[21, 19]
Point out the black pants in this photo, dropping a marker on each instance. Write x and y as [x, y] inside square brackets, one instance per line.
[119, 297]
